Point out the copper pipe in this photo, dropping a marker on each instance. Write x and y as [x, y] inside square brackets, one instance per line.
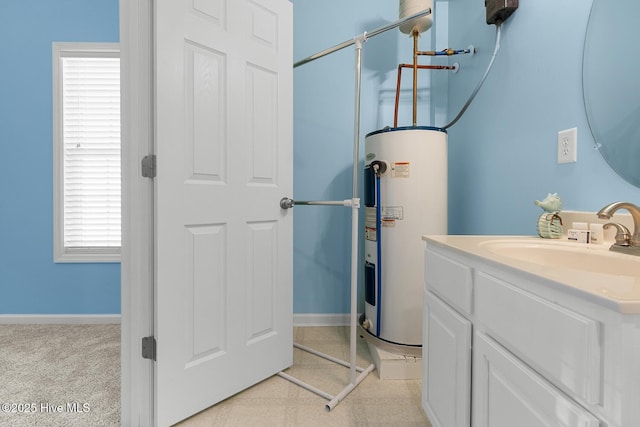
[445, 52]
[449, 52]
[395, 113]
[415, 77]
[429, 67]
[421, 67]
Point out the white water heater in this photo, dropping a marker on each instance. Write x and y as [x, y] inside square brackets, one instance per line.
[405, 197]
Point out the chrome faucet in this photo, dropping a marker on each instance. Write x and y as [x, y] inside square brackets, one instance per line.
[632, 246]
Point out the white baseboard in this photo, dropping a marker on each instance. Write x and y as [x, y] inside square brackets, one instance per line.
[317, 319]
[58, 319]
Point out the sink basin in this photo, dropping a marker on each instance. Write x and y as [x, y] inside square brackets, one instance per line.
[574, 256]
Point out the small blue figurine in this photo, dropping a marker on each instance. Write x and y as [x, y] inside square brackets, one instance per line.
[550, 223]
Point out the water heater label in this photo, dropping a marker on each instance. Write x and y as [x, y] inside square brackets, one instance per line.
[392, 213]
[400, 170]
[370, 217]
[370, 234]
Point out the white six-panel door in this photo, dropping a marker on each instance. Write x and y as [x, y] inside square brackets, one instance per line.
[223, 261]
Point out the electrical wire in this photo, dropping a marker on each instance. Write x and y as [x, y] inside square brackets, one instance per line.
[486, 73]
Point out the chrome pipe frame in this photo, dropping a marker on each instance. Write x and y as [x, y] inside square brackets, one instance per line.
[354, 204]
[318, 202]
[287, 203]
[366, 35]
[353, 320]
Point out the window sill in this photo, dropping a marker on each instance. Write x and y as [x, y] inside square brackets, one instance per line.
[87, 256]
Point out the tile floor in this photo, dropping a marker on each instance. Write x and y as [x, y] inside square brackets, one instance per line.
[278, 402]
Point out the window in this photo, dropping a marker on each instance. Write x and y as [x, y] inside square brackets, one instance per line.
[86, 139]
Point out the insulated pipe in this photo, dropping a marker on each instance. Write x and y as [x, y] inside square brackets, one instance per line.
[365, 35]
[480, 83]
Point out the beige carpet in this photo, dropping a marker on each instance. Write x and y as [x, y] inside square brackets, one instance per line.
[59, 375]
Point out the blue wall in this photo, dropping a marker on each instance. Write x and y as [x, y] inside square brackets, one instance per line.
[324, 93]
[502, 153]
[30, 283]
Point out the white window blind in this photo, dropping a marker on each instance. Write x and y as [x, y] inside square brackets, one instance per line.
[88, 153]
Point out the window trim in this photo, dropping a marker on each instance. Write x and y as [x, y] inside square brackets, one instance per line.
[60, 253]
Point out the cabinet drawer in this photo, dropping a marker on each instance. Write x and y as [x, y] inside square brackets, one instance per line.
[508, 393]
[449, 279]
[562, 345]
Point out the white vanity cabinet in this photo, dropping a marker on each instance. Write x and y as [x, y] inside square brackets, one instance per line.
[447, 365]
[504, 347]
[446, 350]
[506, 393]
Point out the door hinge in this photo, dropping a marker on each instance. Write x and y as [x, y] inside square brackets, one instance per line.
[149, 166]
[149, 348]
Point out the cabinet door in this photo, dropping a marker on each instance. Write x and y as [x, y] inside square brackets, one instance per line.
[563, 344]
[507, 393]
[446, 388]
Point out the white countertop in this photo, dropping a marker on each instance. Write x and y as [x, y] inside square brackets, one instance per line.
[620, 292]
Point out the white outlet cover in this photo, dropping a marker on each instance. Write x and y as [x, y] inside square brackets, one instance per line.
[568, 146]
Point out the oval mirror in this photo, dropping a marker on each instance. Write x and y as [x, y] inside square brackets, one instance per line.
[611, 84]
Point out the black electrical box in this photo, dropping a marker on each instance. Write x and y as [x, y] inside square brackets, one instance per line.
[499, 10]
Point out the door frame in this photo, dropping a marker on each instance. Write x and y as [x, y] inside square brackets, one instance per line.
[137, 264]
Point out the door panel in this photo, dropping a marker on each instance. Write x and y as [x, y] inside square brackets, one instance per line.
[223, 261]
